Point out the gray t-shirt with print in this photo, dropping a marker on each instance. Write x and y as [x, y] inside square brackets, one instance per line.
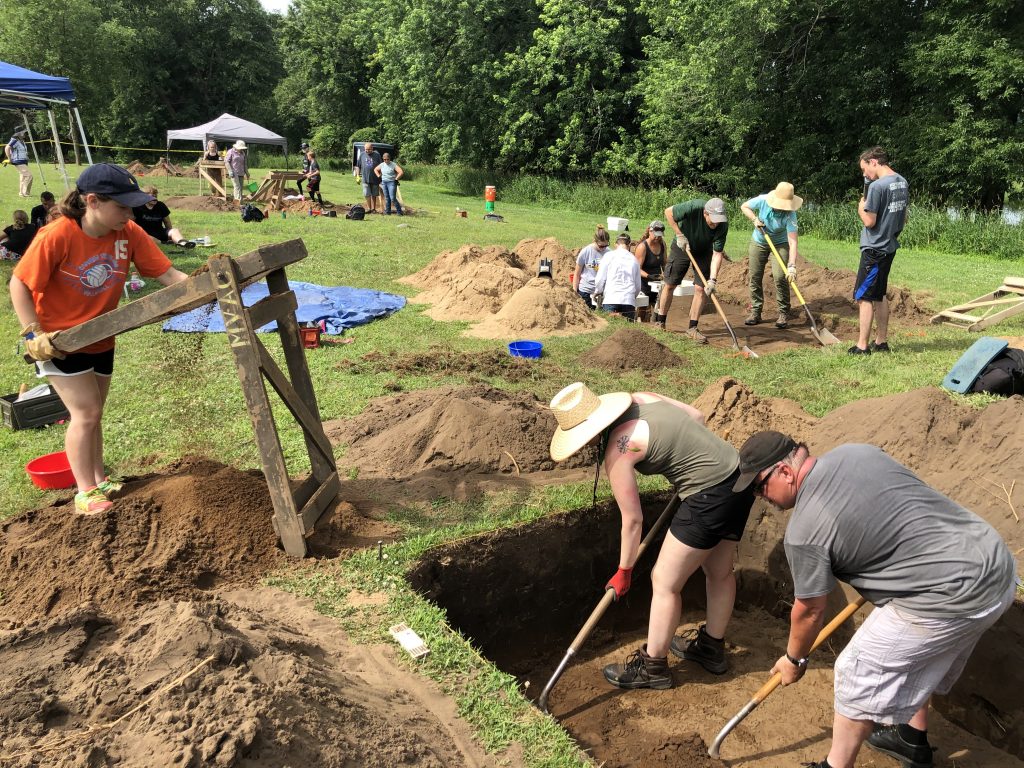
[887, 198]
[864, 518]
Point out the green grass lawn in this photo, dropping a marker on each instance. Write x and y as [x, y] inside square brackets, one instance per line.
[178, 394]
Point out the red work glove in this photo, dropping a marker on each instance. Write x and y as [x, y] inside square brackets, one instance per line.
[620, 582]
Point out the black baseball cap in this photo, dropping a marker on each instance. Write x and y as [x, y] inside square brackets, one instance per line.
[761, 451]
[114, 182]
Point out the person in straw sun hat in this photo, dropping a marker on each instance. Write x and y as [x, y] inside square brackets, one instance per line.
[774, 216]
[237, 163]
[653, 434]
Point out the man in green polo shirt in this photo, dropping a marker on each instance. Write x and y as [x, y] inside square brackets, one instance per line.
[700, 226]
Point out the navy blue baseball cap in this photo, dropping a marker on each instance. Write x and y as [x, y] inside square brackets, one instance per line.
[114, 182]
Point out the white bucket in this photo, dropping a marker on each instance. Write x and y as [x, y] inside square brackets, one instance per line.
[616, 224]
[685, 288]
[655, 286]
[642, 301]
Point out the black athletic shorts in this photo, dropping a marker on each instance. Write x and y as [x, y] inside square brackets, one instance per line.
[872, 275]
[679, 263]
[715, 514]
[74, 363]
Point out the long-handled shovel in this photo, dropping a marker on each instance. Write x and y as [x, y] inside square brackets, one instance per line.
[599, 611]
[776, 679]
[823, 335]
[744, 349]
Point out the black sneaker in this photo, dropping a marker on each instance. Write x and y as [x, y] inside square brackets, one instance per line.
[640, 671]
[855, 350]
[883, 347]
[697, 645]
[185, 244]
[887, 740]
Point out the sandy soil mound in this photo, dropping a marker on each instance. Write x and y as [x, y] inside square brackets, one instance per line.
[448, 263]
[542, 307]
[530, 252]
[283, 688]
[205, 203]
[630, 348]
[136, 168]
[469, 429]
[171, 536]
[474, 292]
[735, 413]
[827, 291]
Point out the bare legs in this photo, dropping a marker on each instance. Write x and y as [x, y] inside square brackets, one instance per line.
[676, 563]
[84, 396]
[878, 311]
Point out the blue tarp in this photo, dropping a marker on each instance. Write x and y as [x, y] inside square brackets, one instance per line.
[28, 84]
[340, 307]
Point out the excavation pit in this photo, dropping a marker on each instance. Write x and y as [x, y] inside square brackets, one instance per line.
[521, 595]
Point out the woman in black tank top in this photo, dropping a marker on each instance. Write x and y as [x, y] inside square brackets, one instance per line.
[650, 254]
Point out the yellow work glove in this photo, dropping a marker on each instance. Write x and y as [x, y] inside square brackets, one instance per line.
[39, 345]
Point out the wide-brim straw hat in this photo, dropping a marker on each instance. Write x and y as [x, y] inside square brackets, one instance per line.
[782, 198]
[581, 416]
[239, 145]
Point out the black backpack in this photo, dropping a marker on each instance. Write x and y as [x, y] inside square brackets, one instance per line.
[251, 213]
[1003, 376]
[356, 213]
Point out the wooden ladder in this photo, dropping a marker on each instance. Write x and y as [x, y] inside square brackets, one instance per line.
[1005, 301]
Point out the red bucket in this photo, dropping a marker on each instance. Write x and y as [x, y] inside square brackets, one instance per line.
[310, 337]
[51, 471]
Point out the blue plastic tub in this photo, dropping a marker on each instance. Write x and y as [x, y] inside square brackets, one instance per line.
[525, 348]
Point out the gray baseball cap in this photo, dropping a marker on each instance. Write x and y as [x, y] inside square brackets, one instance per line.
[715, 209]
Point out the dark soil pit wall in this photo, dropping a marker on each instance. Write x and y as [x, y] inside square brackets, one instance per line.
[523, 594]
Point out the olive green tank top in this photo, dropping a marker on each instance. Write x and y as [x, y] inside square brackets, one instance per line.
[688, 454]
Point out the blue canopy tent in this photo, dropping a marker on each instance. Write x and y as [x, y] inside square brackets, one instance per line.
[22, 89]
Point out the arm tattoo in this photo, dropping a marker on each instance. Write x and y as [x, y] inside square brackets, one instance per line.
[623, 443]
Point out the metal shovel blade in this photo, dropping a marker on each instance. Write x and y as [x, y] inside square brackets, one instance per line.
[825, 336]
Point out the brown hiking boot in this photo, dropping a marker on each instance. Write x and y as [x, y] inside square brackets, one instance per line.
[697, 645]
[753, 318]
[783, 320]
[640, 671]
[697, 336]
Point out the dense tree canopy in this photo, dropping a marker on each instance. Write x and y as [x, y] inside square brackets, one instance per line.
[729, 97]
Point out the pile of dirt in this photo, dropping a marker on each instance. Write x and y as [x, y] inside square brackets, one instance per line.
[137, 168]
[827, 292]
[271, 683]
[477, 429]
[443, 360]
[735, 413]
[542, 307]
[449, 263]
[530, 252]
[630, 348]
[206, 203]
[175, 535]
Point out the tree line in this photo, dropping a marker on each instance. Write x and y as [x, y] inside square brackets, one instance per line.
[727, 97]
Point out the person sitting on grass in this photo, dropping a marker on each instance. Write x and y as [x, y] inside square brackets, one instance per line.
[618, 279]
[155, 219]
[74, 271]
[16, 238]
[40, 212]
[650, 434]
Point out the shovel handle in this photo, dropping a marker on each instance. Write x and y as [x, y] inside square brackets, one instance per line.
[603, 605]
[775, 680]
[782, 263]
[714, 299]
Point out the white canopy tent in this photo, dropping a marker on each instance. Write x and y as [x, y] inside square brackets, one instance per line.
[22, 89]
[230, 129]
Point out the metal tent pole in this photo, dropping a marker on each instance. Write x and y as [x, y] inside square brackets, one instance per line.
[81, 130]
[60, 152]
[32, 143]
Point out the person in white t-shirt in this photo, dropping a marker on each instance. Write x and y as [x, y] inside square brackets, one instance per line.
[618, 279]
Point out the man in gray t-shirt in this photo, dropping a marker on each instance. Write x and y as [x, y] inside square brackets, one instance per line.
[883, 211]
[938, 575]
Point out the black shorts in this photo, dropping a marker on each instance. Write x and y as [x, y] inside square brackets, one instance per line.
[679, 263]
[715, 514]
[872, 275]
[74, 363]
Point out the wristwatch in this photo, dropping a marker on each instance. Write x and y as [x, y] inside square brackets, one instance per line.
[801, 663]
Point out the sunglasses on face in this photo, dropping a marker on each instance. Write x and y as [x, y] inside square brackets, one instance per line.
[760, 485]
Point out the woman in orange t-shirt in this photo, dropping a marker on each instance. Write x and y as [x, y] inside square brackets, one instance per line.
[75, 270]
